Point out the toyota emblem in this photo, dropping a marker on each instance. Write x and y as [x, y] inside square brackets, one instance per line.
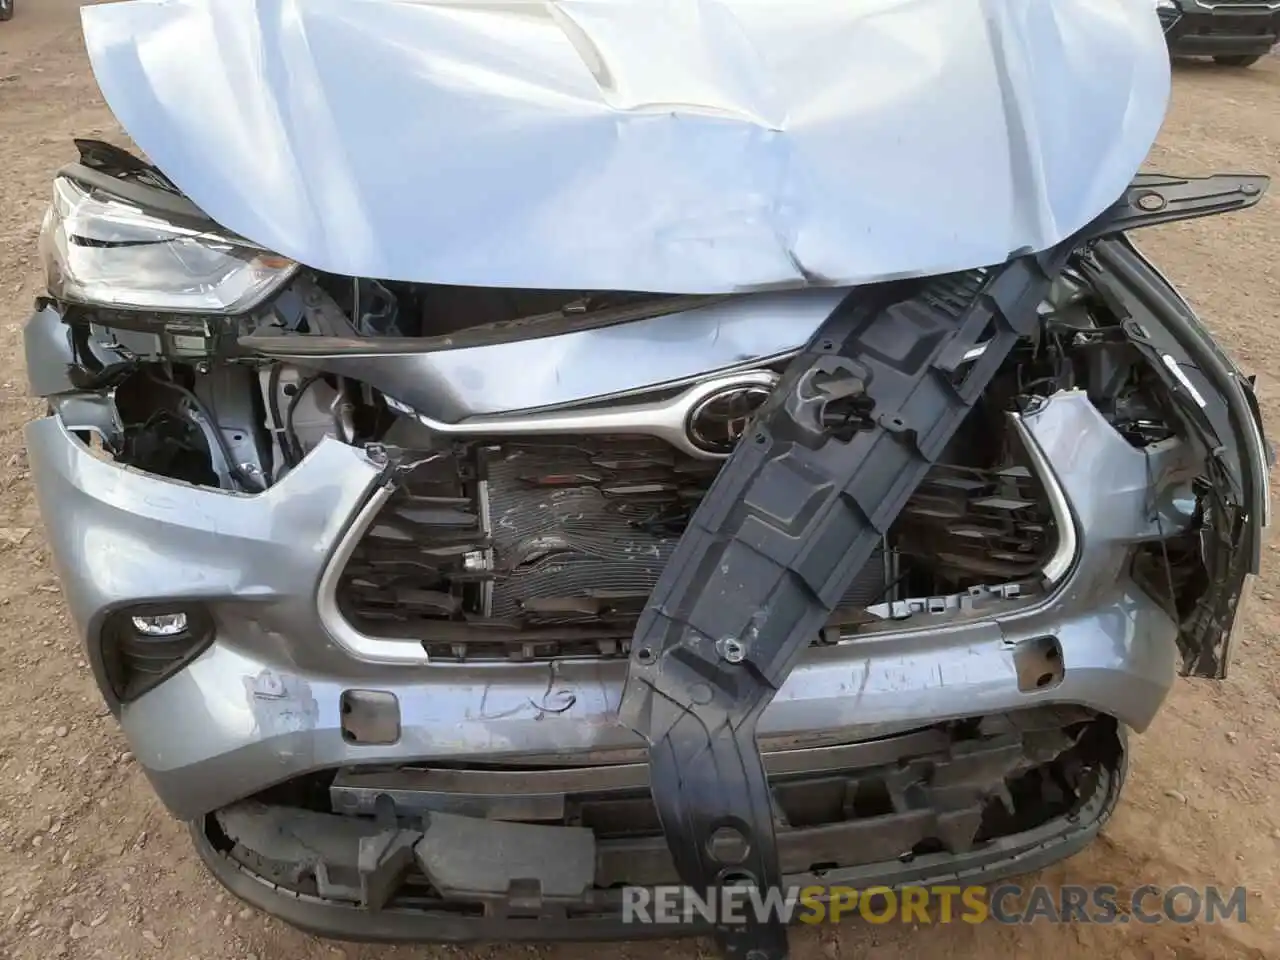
[720, 419]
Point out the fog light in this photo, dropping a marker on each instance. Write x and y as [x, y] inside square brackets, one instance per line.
[161, 625]
[143, 646]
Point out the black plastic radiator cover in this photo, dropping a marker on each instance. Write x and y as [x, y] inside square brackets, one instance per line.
[833, 456]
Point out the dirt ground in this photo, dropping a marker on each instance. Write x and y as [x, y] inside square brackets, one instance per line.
[91, 866]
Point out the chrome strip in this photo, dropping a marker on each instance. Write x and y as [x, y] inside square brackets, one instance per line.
[361, 646]
[582, 404]
[1260, 447]
[973, 353]
[664, 419]
[1064, 555]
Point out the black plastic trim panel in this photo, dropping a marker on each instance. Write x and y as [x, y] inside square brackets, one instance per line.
[1007, 857]
[857, 421]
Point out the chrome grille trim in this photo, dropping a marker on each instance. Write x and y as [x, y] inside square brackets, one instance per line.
[410, 651]
[665, 420]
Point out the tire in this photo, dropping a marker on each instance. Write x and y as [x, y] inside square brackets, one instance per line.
[1226, 60]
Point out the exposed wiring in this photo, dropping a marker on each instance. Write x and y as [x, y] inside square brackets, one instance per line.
[296, 451]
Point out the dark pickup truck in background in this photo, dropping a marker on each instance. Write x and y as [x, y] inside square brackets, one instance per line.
[1236, 33]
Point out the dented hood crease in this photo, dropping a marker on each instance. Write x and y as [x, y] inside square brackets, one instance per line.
[684, 146]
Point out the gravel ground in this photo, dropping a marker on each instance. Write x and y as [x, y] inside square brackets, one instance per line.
[91, 866]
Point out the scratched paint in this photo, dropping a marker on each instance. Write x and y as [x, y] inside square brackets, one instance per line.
[283, 706]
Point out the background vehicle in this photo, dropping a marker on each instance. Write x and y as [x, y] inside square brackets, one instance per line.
[6, 9]
[1236, 33]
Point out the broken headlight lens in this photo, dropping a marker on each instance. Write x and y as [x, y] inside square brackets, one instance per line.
[101, 249]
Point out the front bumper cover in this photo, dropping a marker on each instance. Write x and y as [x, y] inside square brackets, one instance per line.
[262, 704]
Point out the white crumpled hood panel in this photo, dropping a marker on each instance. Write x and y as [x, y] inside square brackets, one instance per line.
[695, 146]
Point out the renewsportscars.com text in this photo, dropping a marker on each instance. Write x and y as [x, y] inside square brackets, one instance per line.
[1003, 903]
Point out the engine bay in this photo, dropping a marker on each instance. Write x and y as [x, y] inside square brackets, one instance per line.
[496, 545]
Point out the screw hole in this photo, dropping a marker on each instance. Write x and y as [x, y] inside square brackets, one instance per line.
[728, 845]
[761, 438]
[1044, 680]
[644, 655]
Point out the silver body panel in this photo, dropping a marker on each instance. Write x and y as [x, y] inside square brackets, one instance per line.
[452, 385]
[640, 144]
[261, 705]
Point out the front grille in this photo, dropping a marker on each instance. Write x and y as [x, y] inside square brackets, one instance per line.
[581, 532]
[1229, 21]
[550, 547]
[996, 523]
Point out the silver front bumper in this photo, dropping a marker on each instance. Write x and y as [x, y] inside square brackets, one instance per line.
[262, 704]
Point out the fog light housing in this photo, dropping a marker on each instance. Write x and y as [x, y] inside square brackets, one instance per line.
[161, 624]
[143, 646]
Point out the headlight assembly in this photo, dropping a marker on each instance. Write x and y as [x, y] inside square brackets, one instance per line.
[100, 249]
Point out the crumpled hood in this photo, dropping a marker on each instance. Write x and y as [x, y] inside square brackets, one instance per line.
[696, 146]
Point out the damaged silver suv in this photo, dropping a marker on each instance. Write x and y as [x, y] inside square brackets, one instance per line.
[503, 454]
